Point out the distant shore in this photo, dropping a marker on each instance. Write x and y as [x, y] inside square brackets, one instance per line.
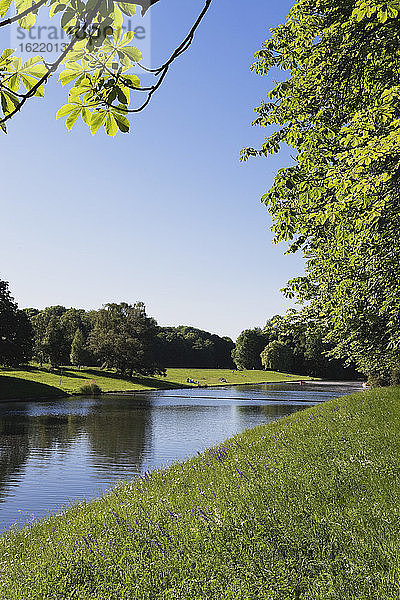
[35, 383]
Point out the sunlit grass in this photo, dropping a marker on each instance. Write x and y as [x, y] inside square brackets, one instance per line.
[303, 508]
[34, 381]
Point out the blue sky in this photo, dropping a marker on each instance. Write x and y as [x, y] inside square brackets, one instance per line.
[166, 214]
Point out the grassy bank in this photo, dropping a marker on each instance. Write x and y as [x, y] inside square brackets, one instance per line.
[304, 508]
[34, 382]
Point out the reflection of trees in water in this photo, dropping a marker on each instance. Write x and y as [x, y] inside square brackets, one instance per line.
[119, 434]
[14, 448]
[271, 411]
[55, 431]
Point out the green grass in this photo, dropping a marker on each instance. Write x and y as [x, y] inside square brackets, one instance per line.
[305, 508]
[33, 382]
[213, 376]
[14, 386]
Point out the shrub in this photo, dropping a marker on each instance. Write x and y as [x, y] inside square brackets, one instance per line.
[395, 377]
[377, 380]
[91, 388]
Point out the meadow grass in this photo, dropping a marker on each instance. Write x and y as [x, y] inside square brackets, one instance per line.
[35, 382]
[305, 508]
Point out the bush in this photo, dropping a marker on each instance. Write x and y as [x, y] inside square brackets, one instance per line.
[377, 380]
[395, 377]
[91, 388]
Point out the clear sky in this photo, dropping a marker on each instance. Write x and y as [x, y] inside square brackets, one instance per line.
[166, 214]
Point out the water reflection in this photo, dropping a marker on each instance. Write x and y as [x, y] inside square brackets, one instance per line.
[14, 449]
[61, 450]
[267, 412]
[118, 433]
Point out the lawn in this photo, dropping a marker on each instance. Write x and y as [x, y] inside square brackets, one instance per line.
[34, 382]
[305, 508]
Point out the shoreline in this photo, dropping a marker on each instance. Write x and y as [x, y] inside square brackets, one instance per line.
[132, 392]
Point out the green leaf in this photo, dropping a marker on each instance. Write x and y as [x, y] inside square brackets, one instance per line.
[65, 110]
[14, 83]
[116, 19]
[126, 38]
[71, 120]
[8, 101]
[122, 122]
[6, 55]
[28, 82]
[4, 6]
[56, 8]
[132, 80]
[127, 8]
[111, 126]
[68, 18]
[97, 120]
[28, 21]
[67, 76]
[86, 115]
[133, 53]
[33, 69]
[123, 94]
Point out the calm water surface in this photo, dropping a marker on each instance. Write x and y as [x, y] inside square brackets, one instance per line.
[58, 451]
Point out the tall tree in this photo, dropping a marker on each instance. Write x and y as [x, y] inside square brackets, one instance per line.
[124, 337]
[50, 344]
[277, 356]
[55, 346]
[339, 109]
[16, 335]
[78, 349]
[249, 345]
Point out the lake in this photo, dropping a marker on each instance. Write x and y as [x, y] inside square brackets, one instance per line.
[58, 451]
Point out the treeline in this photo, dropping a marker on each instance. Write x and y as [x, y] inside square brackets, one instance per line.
[291, 344]
[120, 336]
[189, 347]
[124, 337]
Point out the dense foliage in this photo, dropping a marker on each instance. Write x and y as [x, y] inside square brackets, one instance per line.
[15, 331]
[190, 347]
[123, 337]
[78, 355]
[55, 328]
[303, 348]
[295, 343]
[249, 345]
[116, 334]
[277, 356]
[339, 109]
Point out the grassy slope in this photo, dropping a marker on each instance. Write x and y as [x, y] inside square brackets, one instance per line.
[72, 379]
[306, 508]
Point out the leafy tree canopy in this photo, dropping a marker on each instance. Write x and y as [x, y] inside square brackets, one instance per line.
[338, 108]
[78, 355]
[277, 356]
[96, 62]
[16, 335]
[191, 347]
[305, 335]
[123, 337]
[249, 345]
